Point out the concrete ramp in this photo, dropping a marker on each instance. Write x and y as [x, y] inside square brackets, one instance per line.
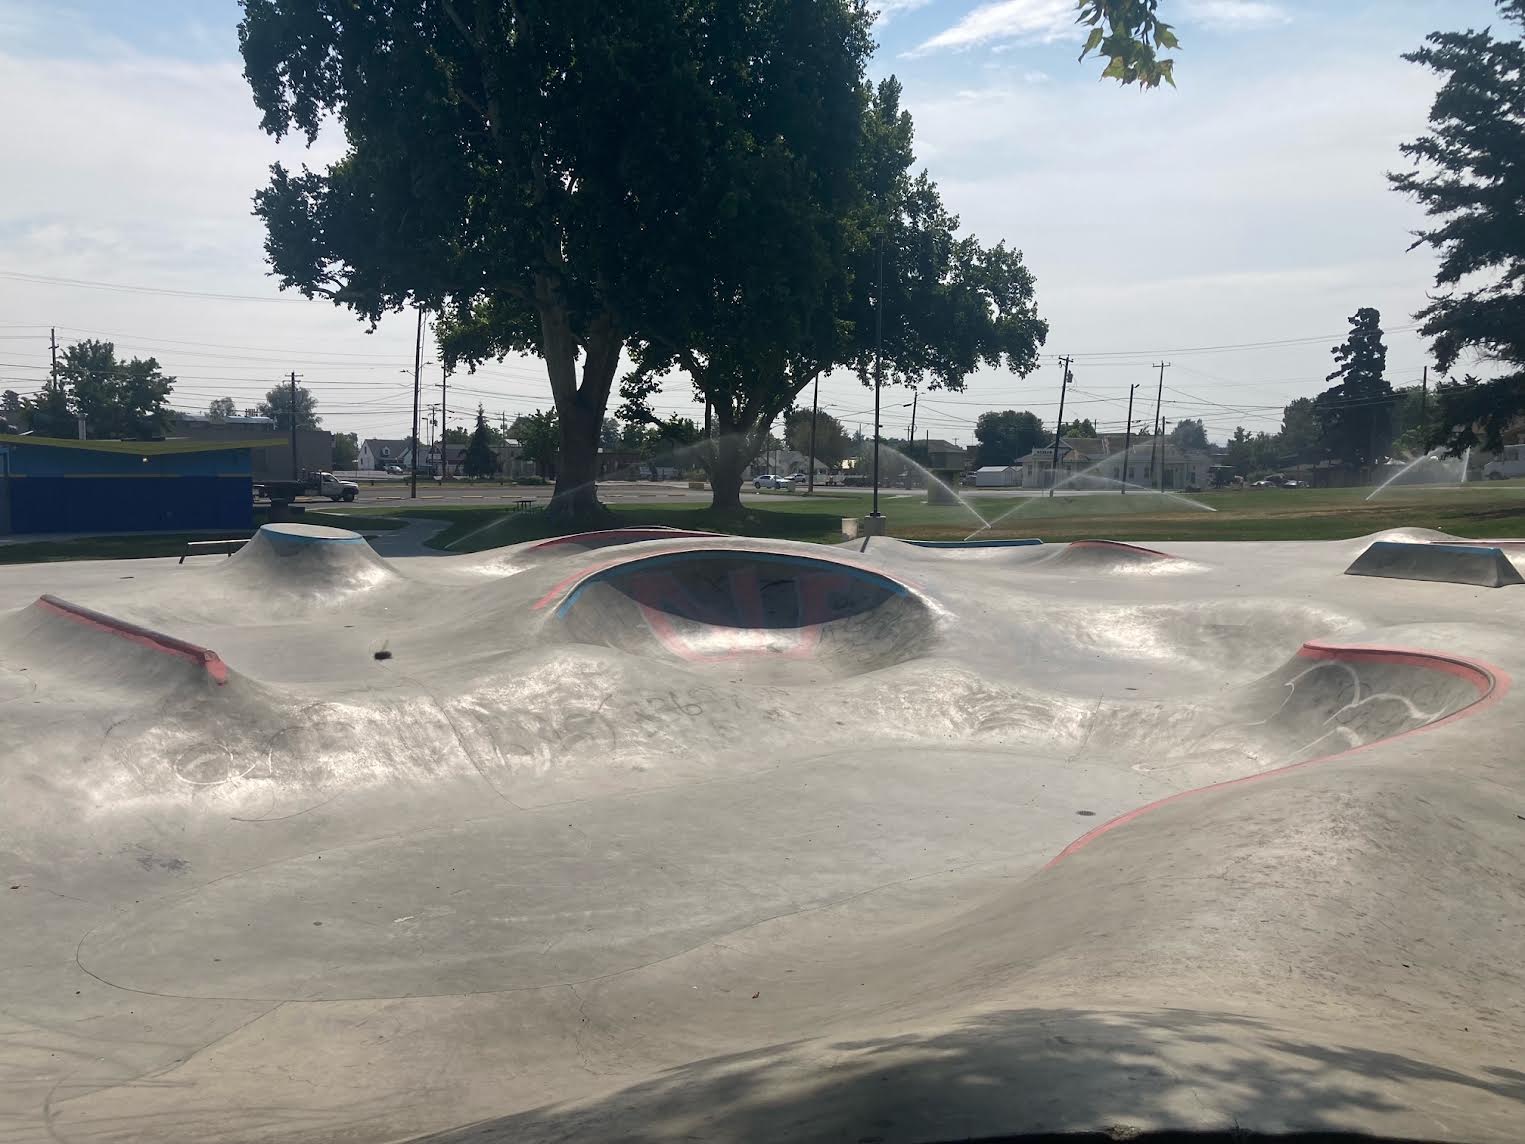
[1480, 564]
[748, 608]
[1113, 556]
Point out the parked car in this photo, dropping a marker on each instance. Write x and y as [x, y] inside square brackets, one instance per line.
[393, 470]
[800, 478]
[769, 481]
[968, 479]
[1294, 484]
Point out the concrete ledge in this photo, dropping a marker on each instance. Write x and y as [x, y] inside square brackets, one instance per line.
[1479, 564]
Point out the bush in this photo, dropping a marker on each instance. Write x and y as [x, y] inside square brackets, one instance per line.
[530, 481]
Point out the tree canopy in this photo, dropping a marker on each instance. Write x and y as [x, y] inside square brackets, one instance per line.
[1355, 416]
[554, 178]
[1189, 434]
[1080, 427]
[117, 399]
[1007, 435]
[539, 437]
[832, 443]
[480, 460]
[346, 450]
[872, 244]
[277, 406]
[1470, 180]
[1129, 35]
[222, 408]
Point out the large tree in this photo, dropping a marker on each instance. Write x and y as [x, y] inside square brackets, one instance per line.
[278, 403]
[832, 444]
[548, 174]
[346, 450]
[539, 438]
[1470, 179]
[801, 284]
[1190, 434]
[480, 460]
[1007, 435]
[1355, 416]
[125, 399]
[222, 408]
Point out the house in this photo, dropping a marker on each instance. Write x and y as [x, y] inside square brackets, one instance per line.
[997, 476]
[315, 447]
[510, 456]
[1099, 463]
[376, 453]
[60, 485]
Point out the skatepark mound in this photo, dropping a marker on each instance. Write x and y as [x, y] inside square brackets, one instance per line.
[749, 608]
[1115, 556]
[54, 637]
[297, 562]
[608, 538]
[1478, 563]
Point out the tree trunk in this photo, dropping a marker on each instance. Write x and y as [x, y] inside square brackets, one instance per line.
[729, 456]
[579, 408]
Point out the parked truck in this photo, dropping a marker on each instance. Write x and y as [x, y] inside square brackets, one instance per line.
[308, 484]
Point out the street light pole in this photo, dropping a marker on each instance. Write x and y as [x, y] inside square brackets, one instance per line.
[815, 398]
[1064, 384]
[418, 357]
[878, 369]
[1128, 441]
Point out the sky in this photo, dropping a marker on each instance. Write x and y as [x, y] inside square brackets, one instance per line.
[1228, 227]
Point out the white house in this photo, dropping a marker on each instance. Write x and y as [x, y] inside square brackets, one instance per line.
[997, 476]
[378, 453]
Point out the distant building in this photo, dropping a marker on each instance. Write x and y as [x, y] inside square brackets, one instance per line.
[997, 476]
[62, 485]
[315, 447]
[376, 453]
[1098, 463]
[943, 454]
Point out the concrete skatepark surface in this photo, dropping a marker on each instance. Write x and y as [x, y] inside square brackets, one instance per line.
[668, 836]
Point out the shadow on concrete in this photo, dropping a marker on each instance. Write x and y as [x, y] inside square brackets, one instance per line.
[1038, 1074]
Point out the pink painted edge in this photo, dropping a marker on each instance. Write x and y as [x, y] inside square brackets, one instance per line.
[205, 658]
[1492, 684]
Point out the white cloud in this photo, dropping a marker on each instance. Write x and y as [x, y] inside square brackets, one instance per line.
[1233, 15]
[885, 9]
[1032, 21]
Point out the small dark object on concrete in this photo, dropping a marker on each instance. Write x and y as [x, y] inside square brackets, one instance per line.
[382, 654]
[1086, 813]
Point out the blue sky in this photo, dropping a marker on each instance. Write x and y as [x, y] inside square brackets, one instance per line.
[1245, 207]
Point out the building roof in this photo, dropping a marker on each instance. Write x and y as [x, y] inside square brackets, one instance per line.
[994, 468]
[236, 419]
[139, 448]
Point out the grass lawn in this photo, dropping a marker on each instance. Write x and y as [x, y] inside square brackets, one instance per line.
[1491, 510]
[135, 547]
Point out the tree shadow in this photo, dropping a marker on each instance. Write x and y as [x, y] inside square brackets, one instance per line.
[1035, 1074]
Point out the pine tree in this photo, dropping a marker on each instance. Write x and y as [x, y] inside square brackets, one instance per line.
[1355, 417]
[480, 460]
[1471, 182]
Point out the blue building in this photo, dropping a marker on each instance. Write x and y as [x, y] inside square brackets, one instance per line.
[50, 484]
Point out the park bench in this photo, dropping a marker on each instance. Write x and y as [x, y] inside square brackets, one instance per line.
[523, 505]
[207, 547]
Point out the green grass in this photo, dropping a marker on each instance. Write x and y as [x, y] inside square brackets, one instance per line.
[1493, 510]
[130, 547]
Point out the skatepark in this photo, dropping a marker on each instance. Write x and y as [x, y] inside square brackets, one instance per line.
[656, 835]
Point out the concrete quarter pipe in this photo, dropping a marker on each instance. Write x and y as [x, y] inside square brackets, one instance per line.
[655, 836]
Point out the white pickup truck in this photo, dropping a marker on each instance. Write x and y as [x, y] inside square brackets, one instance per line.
[311, 484]
[1510, 464]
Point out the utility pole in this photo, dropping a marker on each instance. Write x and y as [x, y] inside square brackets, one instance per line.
[1064, 384]
[418, 356]
[295, 472]
[53, 345]
[878, 370]
[1154, 448]
[815, 397]
[1128, 440]
[1424, 408]
[444, 422]
[915, 393]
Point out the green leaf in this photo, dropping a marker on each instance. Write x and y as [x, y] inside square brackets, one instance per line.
[1092, 41]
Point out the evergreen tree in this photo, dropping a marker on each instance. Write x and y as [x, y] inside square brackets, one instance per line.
[1355, 417]
[480, 460]
[1470, 179]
